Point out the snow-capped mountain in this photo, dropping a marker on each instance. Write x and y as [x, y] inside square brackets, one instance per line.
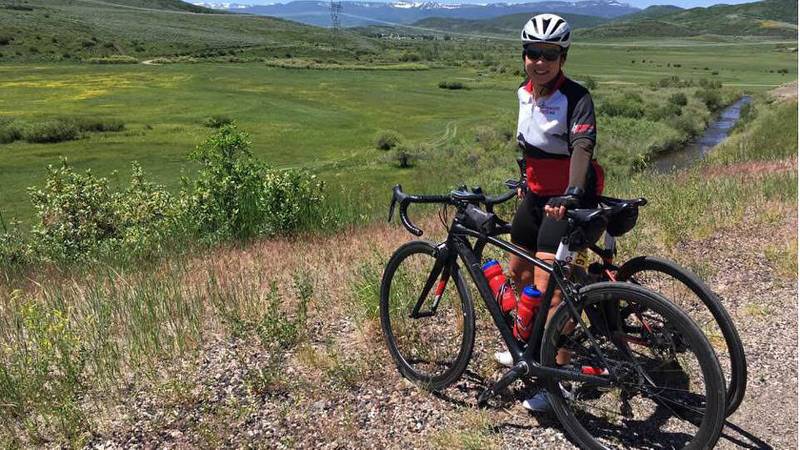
[222, 5]
[358, 13]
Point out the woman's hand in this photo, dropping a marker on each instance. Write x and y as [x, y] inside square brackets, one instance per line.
[556, 207]
[520, 193]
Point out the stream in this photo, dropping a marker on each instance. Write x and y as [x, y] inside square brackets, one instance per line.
[697, 149]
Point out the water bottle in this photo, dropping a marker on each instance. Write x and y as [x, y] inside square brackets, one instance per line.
[528, 305]
[501, 288]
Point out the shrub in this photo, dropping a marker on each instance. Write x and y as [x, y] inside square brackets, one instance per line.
[5, 40]
[409, 57]
[50, 131]
[710, 97]
[113, 59]
[217, 121]
[663, 112]
[145, 214]
[590, 83]
[710, 84]
[237, 196]
[444, 84]
[627, 106]
[685, 124]
[95, 125]
[387, 140]
[79, 215]
[9, 131]
[671, 81]
[404, 156]
[75, 212]
[678, 98]
[14, 249]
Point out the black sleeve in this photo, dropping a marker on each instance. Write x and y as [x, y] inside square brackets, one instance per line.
[581, 122]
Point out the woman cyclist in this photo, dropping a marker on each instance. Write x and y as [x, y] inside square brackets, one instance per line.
[556, 132]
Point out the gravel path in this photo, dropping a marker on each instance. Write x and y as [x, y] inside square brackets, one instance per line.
[340, 390]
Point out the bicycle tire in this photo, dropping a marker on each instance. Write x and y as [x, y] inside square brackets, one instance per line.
[734, 365]
[401, 285]
[685, 390]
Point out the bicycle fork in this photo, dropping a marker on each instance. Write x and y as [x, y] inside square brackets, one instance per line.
[440, 267]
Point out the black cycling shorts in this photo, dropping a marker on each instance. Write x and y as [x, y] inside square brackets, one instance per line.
[533, 230]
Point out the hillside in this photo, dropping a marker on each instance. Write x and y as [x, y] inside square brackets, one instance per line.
[774, 18]
[651, 12]
[58, 30]
[505, 25]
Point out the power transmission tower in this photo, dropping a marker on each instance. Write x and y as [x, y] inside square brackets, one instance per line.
[335, 9]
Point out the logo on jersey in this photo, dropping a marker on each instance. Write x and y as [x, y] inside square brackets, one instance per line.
[549, 110]
[582, 128]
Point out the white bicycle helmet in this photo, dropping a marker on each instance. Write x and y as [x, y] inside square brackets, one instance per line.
[548, 28]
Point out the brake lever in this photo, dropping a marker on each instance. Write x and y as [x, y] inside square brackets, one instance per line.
[391, 207]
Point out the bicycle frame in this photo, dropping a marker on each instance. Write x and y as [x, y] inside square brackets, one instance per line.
[527, 360]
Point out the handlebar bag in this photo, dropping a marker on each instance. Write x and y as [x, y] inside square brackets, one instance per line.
[623, 221]
[479, 220]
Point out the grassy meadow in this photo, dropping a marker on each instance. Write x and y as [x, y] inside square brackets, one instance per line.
[327, 120]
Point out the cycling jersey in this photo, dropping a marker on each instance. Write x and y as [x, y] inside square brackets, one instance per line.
[546, 129]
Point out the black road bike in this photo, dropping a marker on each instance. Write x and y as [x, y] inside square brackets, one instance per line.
[685, 289]
[641, 373]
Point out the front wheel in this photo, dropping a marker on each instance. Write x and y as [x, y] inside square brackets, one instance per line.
[688, 292]
[433, 345]
[666, 386]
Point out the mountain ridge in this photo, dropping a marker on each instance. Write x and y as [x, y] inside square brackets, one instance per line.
[360, 13]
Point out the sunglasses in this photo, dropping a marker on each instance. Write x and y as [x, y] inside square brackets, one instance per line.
[549, 54]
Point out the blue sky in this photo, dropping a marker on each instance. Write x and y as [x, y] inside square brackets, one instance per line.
[635, 3]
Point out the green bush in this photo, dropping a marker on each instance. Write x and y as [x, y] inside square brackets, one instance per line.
[590, 83]
[410, 57]
[50, 131]
[75, 212]
[217, 121]
[9, 131]
[387, 139]
[14, 248]
[237, 196]
[626, 106]
[671, 81]
[97, 125]
[709, 84]
[78, 215]
[444, 84]
[58, 130]
[113, 59]
[688, 125]
[663, 112]
[678, 98]
[404, 156]
[710, 97]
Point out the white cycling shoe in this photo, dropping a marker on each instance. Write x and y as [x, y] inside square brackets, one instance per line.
[504, 358]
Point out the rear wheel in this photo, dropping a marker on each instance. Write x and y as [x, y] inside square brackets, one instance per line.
[667, 388]
[434, 348]
[689, 293]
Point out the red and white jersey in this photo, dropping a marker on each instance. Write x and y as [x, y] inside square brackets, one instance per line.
[546, 129]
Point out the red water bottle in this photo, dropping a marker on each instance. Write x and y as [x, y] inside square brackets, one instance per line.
[526, 311]
[501, 288]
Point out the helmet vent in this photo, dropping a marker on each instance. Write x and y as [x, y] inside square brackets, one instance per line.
[545, 25]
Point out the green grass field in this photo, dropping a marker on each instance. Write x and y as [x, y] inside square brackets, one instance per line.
[324, 120]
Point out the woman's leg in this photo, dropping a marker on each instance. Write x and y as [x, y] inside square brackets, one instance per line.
[541, 278]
